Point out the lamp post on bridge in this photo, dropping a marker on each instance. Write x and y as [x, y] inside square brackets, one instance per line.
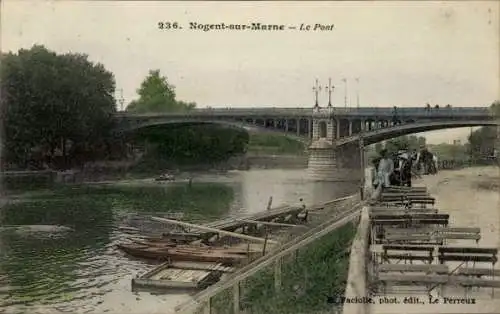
[345, 92]
[316, 89]
[357, 92]
[330, 88]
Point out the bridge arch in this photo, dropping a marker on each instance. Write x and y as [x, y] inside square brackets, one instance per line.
[377, 135]
[238, 125]
[322, 129]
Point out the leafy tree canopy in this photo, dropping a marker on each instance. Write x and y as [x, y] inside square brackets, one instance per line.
[411, 142]
[49, 99]
[482, 142]
[495, 108]
[157, 95]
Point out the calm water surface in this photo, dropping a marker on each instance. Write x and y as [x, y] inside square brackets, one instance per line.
[83, 272]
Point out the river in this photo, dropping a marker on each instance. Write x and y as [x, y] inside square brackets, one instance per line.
[82, 272]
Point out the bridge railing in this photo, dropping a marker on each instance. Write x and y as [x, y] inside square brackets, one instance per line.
[308, 111]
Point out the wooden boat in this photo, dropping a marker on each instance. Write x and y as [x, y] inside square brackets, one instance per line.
[200, 254]
[154, 243]
[165, 177]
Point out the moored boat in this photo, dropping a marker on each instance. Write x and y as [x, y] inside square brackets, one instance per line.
[183, 253]
[165, 177]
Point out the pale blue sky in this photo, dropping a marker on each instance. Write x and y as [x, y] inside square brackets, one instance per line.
[405, 53]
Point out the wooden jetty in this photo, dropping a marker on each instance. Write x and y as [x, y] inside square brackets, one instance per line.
[195, 264]
[408, 247]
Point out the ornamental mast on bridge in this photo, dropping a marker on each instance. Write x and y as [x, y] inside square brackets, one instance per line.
[322, 164]
[316, 89]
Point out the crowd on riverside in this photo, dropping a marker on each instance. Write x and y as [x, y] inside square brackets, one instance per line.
[398, 168]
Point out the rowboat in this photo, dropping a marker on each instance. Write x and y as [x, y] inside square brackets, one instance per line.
[184, 253]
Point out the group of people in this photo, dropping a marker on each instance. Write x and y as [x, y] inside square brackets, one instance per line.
[397, 169]
[393, 171]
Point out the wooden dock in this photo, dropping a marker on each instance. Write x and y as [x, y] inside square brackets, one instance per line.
[186, 274]
[409, 250]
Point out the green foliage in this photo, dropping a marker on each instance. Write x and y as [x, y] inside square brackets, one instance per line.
[450, 152]
[274, 144]
[484, 140]
[495, 108]
[157, 95]
[319, 271]
[189, 145]
[411, 142]
[53, 102]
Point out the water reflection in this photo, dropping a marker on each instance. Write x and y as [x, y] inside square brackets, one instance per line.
[287, 186]
[82, 272]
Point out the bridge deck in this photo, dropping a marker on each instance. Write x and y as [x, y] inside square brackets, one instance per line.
[413, 270]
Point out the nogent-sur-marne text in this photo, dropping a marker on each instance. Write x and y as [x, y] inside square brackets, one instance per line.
[205, 27]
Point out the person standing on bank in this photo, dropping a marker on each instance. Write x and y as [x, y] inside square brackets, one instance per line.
[385, 169]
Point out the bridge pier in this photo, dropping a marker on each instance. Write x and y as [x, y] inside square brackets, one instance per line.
[327, 162]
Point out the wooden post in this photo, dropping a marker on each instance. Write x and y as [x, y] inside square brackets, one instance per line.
[248, 252]
[236, 298]
[207, 307]
[277, 274]
[362, 161]
[265, 244]
[270, 203]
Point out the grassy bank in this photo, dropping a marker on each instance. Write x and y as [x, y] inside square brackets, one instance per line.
[319, 271]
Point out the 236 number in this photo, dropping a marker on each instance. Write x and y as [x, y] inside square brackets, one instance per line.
[168, 25]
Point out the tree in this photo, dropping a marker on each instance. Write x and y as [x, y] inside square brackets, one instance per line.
[157, 95]
[411, 142]
[483, 141]
[495, 108]
[51, 101]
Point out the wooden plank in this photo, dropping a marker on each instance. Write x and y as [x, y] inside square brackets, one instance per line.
[379, 207]
[405, 188]
[478, 272]
[402, 211]
[438, 279]
[396, 247]
[458, 236]
[164, 284]
[233, 234]
[266, 223]
[408, 237]
[408, 257]
[405, 194]
[467, 250]
[155, 270]
[438, 269]
[467, 258]
[412, 201]
[458, 229]
[409, 215]
[406, 197]
[408, 221]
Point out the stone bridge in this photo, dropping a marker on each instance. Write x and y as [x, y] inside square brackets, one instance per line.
[333, 133]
